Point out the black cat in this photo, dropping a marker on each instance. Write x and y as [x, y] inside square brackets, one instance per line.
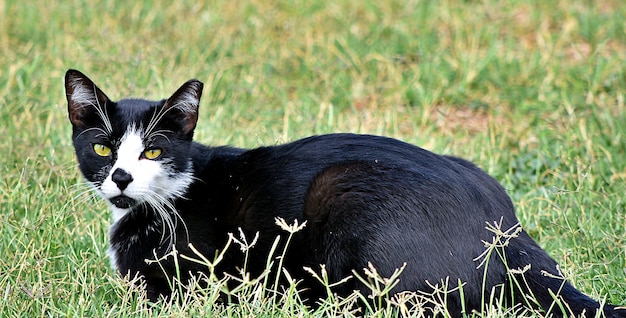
[364, 199]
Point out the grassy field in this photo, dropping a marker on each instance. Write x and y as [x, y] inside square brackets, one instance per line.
[532, 91]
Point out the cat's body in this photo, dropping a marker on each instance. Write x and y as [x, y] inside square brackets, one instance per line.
[364, 198]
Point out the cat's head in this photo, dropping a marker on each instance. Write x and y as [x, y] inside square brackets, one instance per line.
[133, 151]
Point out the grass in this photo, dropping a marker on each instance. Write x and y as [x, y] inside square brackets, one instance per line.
[532, 91]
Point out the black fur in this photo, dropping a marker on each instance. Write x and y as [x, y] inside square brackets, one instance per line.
[364, 198]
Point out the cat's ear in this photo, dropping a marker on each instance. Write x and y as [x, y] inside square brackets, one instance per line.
[184, 105]
[83, 97]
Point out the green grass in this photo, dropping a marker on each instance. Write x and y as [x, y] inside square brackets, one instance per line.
[532, 91]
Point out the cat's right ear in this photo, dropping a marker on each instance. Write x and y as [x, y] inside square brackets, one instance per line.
[83, 97]
[183, 105]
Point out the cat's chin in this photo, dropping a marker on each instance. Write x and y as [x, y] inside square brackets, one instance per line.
[122, 202]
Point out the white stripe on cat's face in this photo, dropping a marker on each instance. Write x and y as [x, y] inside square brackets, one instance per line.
[142, 171]
[151, 182]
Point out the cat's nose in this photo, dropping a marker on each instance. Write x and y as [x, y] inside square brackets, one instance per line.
[121, 178]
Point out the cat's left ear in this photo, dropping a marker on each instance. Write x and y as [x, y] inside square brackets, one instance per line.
[184, 105]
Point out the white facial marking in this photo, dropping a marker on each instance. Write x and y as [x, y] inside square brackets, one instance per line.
[143, 172]
[131, 147]
[152, 181]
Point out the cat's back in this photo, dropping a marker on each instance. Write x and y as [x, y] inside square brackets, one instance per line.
[323, 151]
[308, 157]
[279, 177]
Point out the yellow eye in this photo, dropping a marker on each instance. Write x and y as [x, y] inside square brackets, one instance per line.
[152, 153]
[102, 150]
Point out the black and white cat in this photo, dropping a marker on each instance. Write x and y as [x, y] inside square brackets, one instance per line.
[364, 199]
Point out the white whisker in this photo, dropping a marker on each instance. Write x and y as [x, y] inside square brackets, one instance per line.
[102, 112]
[104, 133]
[159, 133]
[165, 208]
[155, 119]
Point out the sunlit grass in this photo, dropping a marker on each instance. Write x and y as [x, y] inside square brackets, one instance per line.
[532, 91]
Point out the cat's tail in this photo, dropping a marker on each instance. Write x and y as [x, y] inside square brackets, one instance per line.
[542, 284]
